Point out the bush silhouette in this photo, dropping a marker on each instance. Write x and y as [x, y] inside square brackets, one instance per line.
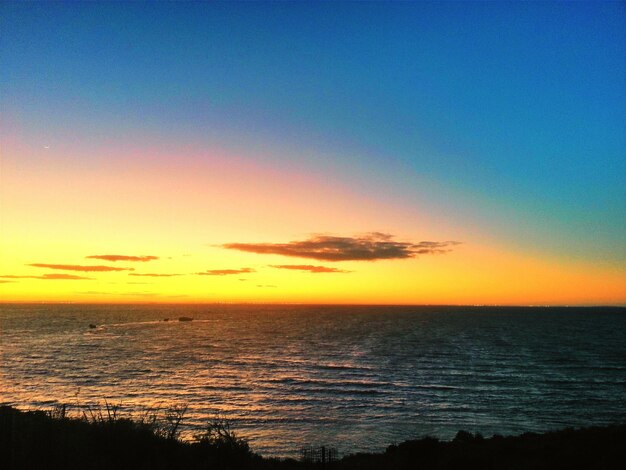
[102, 438]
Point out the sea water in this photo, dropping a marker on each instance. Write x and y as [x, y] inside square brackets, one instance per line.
[357, 378]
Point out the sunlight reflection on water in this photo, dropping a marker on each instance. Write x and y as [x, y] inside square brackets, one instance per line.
[358, 378]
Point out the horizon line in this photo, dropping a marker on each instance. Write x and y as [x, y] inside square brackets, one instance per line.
[312, 304]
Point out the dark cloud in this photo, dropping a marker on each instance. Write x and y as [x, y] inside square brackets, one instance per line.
[309, 268]
[123, 258]
[76, 267]
[49, 277]
[370, 247]
[225, 272]
[153, 274]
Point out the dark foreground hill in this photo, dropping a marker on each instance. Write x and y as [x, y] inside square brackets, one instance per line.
[51, 440]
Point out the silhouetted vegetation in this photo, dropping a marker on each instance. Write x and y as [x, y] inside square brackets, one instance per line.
[101, 438]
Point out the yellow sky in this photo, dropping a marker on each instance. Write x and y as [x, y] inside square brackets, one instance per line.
[184, 215]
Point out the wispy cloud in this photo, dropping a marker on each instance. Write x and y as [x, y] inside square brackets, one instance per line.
[153, 274]
[95, 292]
[49, 277]
[309, 268]
[225, 272]
[123, 258]
[63, 276]
[77, 267]
[434, 248]
[4, 281]
[370, 247]
[140, 294]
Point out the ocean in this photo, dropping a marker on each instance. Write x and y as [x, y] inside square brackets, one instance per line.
[356, 378]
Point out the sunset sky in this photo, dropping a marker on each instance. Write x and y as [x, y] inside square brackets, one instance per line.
[427, 153]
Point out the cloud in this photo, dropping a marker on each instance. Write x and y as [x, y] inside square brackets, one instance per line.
[123, 258]
[4, 281]
[49, 277]
[225, 272]
[76, 267]
[141, 294]
[433, 248]
[63, 276]
[309, 268]
[267, 285]
[370, 247]
[132, 294]
[153, 274]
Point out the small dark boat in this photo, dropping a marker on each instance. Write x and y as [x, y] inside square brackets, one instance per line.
[166, 319]
[92, 326]
[185, 319]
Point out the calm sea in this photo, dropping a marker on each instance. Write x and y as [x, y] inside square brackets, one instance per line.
[357, 378]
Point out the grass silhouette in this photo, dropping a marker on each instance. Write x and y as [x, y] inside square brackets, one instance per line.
[100, 437]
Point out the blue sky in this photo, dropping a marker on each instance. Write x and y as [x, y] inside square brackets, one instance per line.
[513, 112]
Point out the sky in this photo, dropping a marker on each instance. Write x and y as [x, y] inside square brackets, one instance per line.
[369, 153]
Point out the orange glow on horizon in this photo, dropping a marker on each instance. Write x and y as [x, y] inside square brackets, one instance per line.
[153, 229]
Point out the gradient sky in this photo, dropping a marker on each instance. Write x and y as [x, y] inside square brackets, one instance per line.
[304, 152]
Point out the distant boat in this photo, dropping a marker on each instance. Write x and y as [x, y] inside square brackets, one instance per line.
[92, 326]
[185, 319]
[166, 319]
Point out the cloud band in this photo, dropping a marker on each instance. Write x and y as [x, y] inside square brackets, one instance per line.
[370, 247]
